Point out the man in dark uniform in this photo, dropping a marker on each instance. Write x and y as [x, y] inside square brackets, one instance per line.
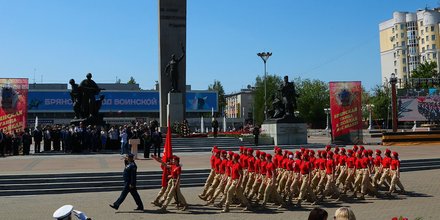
[129, 184]
[38, 137]
[26, 140]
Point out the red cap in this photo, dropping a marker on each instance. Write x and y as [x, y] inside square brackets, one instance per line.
[350, 151]
[355, 147]
[214, 147]
[250, 150]
[279, 150]
[290, 153]
[387, 151]
[378, 151]
[231, 154]
[176, 158]
[216, 151]
[236, 156]
[268, 156]
[223, 152]
[361, 147]
[257, 153]
[342, 149]
[328, 147]
[263, 154]
[302, 150]
[312, 152]
[395, 154]
[336, 149]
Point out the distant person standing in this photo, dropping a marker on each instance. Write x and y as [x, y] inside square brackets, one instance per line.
[2, 143]
[47, 139]
[26, 139]
[156, 141]
[215, 126]
[256, 133]
[124, 142]
[38, 137]
[130, 173]
[114, 136]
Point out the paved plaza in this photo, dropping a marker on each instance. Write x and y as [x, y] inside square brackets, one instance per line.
[421, 200]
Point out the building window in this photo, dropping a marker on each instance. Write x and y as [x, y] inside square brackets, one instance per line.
[392, 30]
[402, 35]
[421, 23]
[404, 60]
[394, 54]
[432, 37]
[426, 29]
[403, 43]
[402, 26]
[429, 56]
[433, 47]
[427, 47]
[434, 55]
[423, 49]
[404, 69]
[423, 40]
[397, 44]
[427, 38]
[421, 32]
[395, 63]
[395, 71]
[403, 52]
[432, 28]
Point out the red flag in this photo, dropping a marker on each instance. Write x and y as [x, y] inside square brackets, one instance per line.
[168, 148]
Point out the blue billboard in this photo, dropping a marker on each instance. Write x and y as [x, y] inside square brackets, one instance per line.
[120, 101]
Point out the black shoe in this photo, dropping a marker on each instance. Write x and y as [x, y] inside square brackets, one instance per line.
[139, 208]
[113, 206]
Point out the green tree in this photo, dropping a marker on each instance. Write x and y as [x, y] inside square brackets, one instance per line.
[131, 81]
[425, 70]
[313, 98]
[217, 86]
[273, 83]
[381, 99]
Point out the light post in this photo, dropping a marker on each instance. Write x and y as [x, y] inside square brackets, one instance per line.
[265, 56]
[370, 111]
[327, 112]
[393, 81]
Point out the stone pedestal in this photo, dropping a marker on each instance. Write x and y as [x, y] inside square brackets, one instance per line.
[175, 108]
[285, 133]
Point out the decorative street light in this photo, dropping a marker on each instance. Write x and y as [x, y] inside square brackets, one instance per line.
[370, 110]
[393, 81]
[265, 56]
[327, 112]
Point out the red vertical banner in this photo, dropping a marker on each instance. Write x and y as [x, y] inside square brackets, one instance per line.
[346, 112]
[13, 104]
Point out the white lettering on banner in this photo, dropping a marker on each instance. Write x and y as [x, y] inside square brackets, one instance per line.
[107, 102]
[136, 101]
[57, 102]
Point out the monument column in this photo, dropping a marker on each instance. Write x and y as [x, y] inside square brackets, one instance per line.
[172, 37]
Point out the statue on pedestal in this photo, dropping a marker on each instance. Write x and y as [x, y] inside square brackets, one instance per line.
[172, 70]
[85, 105]
[284, 104]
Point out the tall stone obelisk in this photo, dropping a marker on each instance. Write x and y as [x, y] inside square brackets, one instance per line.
[172, 37]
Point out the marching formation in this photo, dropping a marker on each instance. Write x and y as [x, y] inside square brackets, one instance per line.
[293, 177]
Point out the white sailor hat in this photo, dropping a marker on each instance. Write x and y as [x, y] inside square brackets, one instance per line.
[63, 213]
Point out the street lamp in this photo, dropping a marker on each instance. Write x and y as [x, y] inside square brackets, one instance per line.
[265, 56]
[370, 110]
[393, 81]
[327, 112]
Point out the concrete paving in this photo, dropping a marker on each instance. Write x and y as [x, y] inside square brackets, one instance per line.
[66, 163]
[421, 201]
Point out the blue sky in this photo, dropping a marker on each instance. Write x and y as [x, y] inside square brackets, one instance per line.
[55, 40]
